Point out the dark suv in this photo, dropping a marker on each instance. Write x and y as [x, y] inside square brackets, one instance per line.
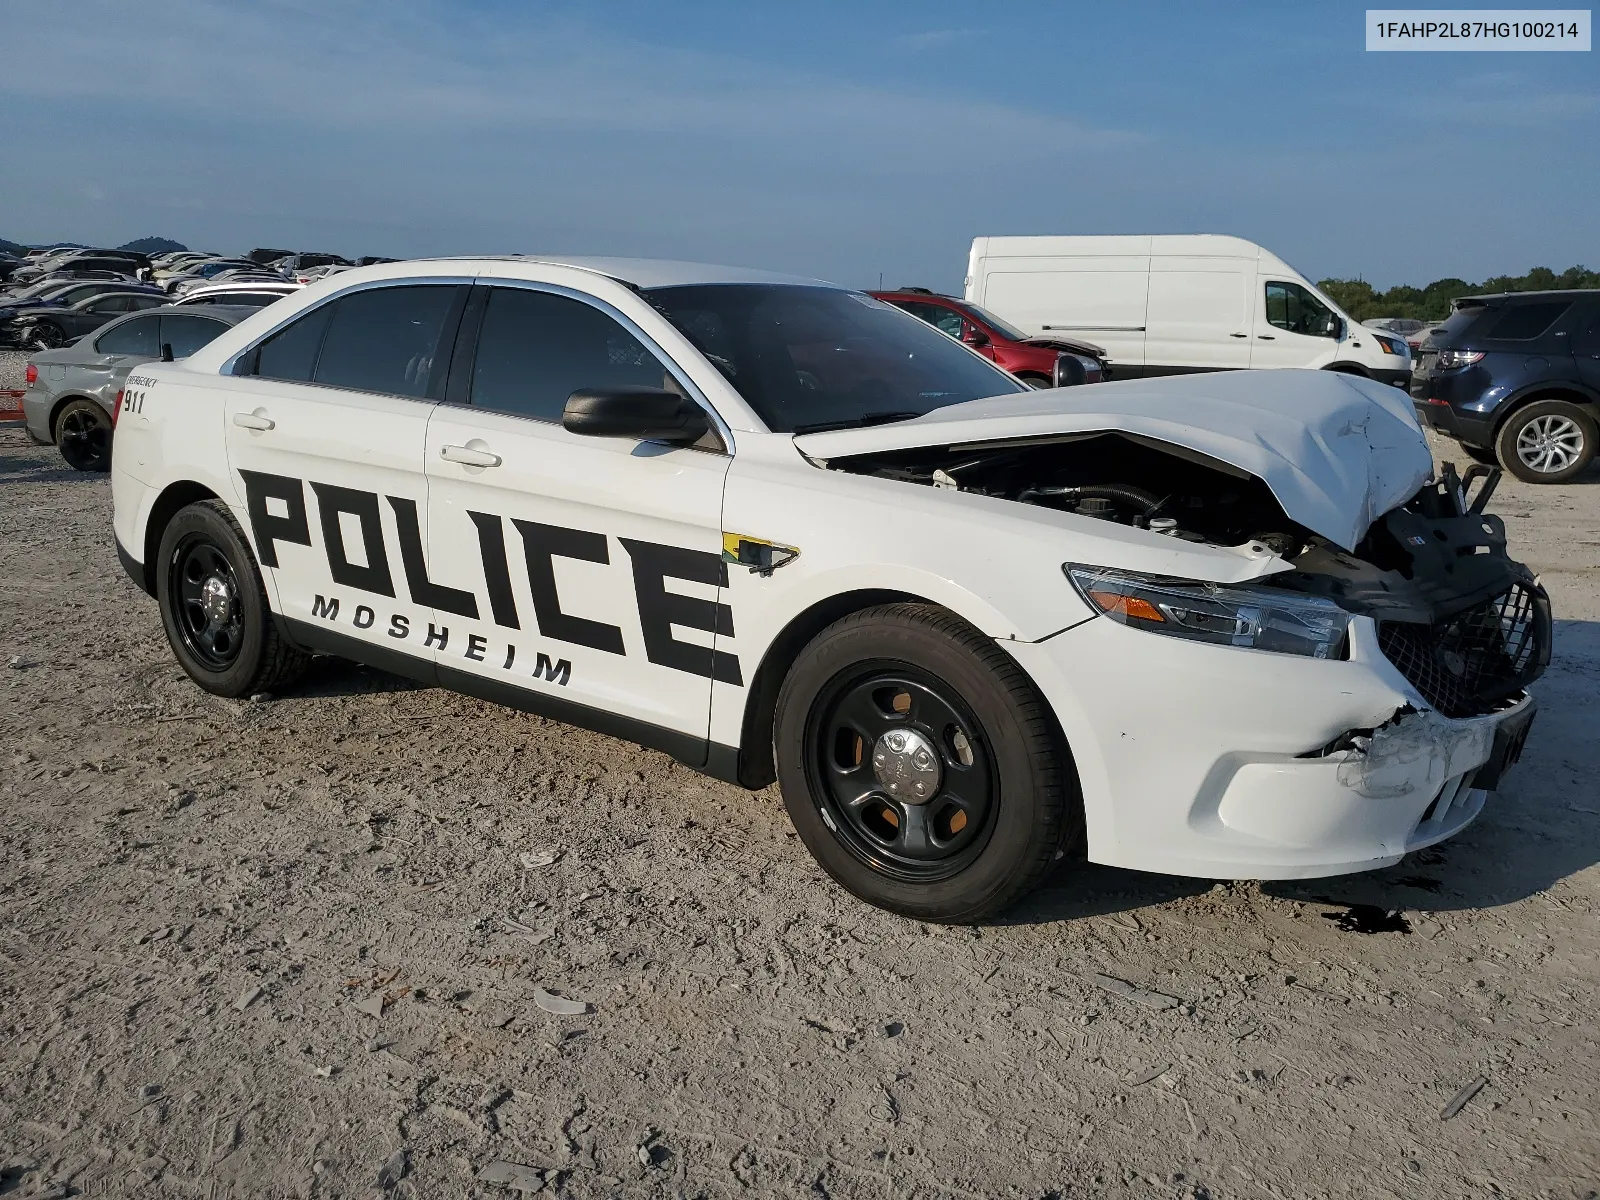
[1515, 378]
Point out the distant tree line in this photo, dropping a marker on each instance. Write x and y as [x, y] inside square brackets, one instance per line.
[1432, 303]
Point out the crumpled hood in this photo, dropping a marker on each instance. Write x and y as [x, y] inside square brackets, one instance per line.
[1071, 345]
[1338, 451]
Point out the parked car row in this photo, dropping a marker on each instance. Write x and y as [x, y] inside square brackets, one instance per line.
[1153, 306]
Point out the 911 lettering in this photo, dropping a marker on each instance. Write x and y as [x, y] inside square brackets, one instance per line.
[652, 565]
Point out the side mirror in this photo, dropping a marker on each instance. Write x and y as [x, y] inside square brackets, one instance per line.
[1338, 329]
[166, 351]
[644, 414]
[975, 336]
[1070, 371]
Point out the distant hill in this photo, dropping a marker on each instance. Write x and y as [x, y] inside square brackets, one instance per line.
[16, 248]
[152, 245]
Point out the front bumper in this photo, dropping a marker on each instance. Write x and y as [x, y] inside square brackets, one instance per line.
[1206, 761]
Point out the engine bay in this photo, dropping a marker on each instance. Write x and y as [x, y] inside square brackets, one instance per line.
[1437, 554]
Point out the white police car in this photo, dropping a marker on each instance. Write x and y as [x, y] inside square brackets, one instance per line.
[1220, 625]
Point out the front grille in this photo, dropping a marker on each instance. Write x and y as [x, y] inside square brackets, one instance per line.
[1465, 666]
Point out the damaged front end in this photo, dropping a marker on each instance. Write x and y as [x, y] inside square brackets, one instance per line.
[1466, 625]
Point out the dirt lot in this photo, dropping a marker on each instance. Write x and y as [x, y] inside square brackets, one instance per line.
[293, 947]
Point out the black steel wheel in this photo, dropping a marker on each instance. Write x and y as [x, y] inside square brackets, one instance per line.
[214, 606]
[83, 435]
[901, 769]
[206, 594]
[921, 767]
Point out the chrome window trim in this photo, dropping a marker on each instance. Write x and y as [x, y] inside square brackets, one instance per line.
[724, 431]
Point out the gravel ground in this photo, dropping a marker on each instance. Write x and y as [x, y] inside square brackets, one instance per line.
[295, 947]
[12, 365]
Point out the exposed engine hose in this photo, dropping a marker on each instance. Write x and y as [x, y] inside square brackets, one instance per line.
[1135, 497]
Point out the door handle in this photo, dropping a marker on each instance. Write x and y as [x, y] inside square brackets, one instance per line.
[1267, 337]
[1238, 335]
[468, 457]
[252, 421]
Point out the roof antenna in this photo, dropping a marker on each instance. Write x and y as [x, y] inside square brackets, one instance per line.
[880, 281]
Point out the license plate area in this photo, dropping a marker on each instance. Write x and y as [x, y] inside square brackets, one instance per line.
[1509, 739]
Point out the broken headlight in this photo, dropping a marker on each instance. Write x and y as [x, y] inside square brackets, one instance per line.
[1257, 618]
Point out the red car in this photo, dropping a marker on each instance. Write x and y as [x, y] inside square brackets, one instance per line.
[1037, 361]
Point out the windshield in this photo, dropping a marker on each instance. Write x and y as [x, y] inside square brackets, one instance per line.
[1004, 328]
[807, 358]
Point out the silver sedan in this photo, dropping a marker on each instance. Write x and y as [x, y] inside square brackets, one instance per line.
[71, 395]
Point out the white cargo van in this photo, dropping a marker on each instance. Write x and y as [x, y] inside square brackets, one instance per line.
[1166, 305]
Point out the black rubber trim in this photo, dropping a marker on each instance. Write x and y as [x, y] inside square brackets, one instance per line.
[714, 759]
[134, 568]
[322, 640]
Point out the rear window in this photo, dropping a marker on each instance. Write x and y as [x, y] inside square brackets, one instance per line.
[186, 334]
[137, 336]
[1523, 322]
[1456, 324]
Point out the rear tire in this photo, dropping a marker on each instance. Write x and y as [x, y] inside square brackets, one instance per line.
[995, 796]
[214, 606]
[1548, 441]
[83, 435]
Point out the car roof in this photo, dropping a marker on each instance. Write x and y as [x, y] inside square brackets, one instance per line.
[1553, 294]
[640, 272]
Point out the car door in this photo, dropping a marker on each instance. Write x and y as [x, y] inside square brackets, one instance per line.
[1198, 315]
[325, 433]
[1586, 343]
[577, 576]
[1292, 328]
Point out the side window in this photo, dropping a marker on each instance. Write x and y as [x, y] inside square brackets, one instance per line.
[945, 320]
[291, 353]
[141, 302]
[536, 349]
[386, 339]
[1292, 308]
[111, 304]
[1524, 322]
[137, 336]
[187, 334]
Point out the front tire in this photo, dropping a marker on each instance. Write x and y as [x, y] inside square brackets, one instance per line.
[214, 606]
[1037, 382]
[920, 766]
[83, 435]
[1548, 441]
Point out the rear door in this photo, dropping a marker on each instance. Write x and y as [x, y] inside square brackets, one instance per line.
[325, 440]
[578, 576]
[1199, 314]
[1586, 344]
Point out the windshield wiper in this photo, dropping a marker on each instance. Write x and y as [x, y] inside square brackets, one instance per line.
[871, 418]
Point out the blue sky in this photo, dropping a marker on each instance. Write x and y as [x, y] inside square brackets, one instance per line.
[839, 140]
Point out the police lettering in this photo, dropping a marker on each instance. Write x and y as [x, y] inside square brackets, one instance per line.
[278, 515]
